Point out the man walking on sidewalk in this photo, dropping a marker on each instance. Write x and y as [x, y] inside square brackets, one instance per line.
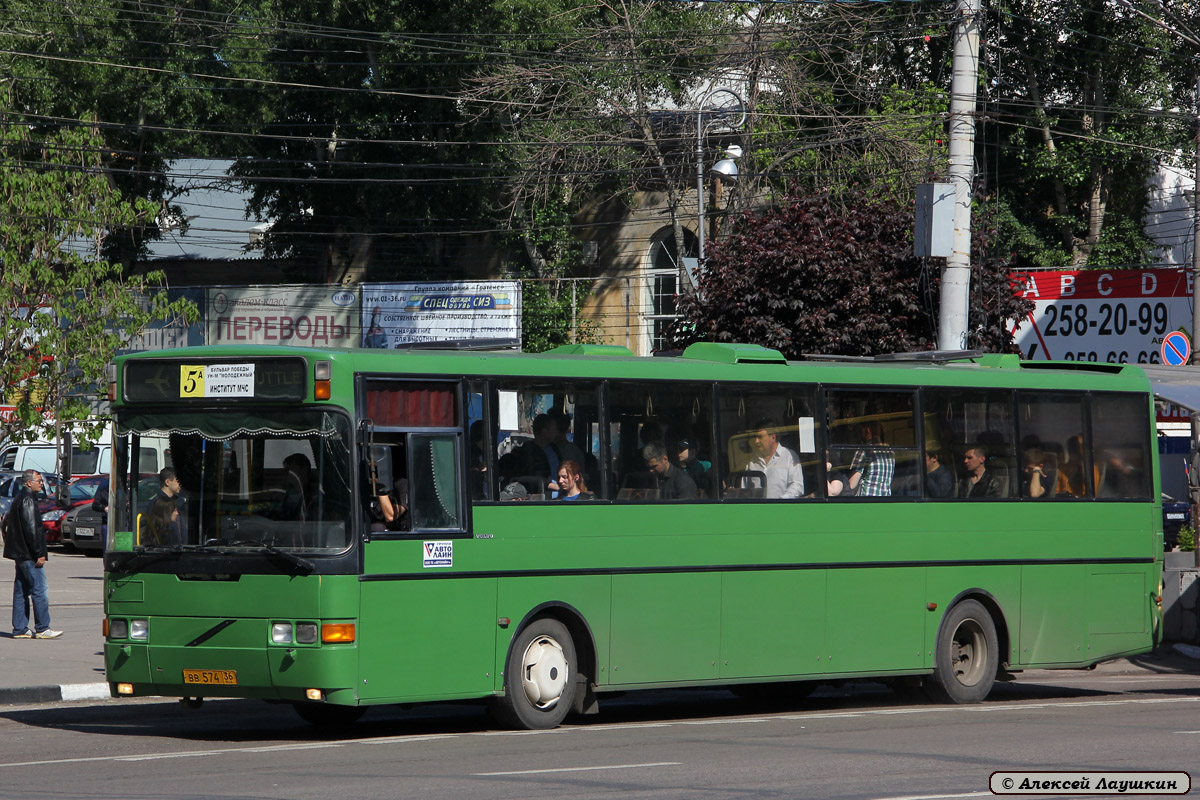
[25, 543]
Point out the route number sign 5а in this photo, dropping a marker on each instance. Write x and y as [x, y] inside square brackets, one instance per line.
[216, 380]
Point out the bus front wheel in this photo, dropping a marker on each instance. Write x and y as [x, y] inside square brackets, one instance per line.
[539, 677]
[967, 655]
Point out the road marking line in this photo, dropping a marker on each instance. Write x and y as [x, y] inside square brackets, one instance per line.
[936, 796]
[800, 717]
[578, 769]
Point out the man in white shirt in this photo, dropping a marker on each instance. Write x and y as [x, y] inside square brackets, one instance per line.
[785, 476]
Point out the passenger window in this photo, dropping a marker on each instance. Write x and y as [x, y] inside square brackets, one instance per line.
[770, 442]
[479, 452]
[873, 443]
[433, 488]
[1055, 462]
[661, 436]
[1120, 427]
[971, 433]
[539, 425]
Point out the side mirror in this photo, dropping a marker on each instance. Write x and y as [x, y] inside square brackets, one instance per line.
[62, 494]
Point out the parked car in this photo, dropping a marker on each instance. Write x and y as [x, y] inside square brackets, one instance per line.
[83, 527]
[1176, 514]
[10, 486]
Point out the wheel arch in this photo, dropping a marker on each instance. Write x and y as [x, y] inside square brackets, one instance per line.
[995, 610]
[576, 624]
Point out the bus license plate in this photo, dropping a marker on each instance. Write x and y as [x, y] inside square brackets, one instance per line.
[85, 532]
[211, 677]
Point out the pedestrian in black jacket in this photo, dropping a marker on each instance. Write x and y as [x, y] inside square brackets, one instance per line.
[25, 543]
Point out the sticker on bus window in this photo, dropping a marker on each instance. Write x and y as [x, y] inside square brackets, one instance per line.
[438, 554]
[216, 380]
[808, 438]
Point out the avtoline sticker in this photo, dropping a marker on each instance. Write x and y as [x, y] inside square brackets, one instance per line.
[216, 380]
[438, 554]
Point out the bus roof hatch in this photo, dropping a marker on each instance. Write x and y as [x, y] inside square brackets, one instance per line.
[733, 353]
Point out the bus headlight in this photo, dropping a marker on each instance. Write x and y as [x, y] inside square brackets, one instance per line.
[139, 629]
[281, 633]
[306, 632]
[118, 629]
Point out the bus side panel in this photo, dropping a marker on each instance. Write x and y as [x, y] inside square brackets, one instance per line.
[1052, 614]
[1001, 583]
[590, 595]
[665, 627]
[772, 623]
[875, 620]
[1118, 611]
[426, 639]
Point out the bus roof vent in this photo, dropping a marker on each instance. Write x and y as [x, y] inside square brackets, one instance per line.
[591, 350]
[732, 353]
[505, 343]
[933, 356]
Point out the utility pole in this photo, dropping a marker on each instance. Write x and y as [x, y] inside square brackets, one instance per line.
[1193, 462]
[956, 277]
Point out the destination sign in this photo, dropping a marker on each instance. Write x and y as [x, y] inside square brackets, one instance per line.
[190, 380]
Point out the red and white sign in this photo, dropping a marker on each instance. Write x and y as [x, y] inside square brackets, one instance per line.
[1119, 316]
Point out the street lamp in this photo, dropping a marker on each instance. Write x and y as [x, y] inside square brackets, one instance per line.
[726, 167]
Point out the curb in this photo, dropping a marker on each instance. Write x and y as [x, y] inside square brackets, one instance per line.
[53, 694]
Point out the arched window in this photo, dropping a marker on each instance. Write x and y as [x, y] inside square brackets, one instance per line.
[662, 284]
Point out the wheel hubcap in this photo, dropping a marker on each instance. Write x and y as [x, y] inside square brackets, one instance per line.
[969, 653]
[544, 672]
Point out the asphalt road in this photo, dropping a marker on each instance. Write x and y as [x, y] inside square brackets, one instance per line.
[862, 741]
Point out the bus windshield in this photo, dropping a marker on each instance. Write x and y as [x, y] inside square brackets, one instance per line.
[254, 481]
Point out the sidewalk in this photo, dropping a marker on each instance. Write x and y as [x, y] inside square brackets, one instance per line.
[72, 667]
[67, 668]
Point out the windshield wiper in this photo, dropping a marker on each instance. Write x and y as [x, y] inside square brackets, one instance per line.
[302, 565]
[158, 552]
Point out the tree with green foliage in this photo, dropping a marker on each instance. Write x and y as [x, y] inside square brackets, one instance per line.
[65, 310]
[1079, 108]
[836, 274]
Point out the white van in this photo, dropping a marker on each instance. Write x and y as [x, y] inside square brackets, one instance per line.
[153, 455]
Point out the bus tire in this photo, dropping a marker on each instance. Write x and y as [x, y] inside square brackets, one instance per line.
[539, 677]
[323, 715]
[967, 655]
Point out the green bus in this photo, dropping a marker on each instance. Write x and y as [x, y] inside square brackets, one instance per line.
[362, 527]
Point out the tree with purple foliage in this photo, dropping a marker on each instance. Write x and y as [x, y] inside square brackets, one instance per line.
[826, 274]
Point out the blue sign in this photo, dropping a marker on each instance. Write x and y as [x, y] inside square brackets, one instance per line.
[1176, 349]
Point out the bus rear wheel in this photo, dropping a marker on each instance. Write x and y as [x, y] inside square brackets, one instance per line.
[539, 678]
[967, 655]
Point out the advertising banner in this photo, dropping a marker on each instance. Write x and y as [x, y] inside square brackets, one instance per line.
[168, 335]
[1118, 316]
[396, 314]
[296, 314]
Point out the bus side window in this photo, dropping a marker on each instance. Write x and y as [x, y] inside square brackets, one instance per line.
[1121, 427]
[770, 436]
[969, 422]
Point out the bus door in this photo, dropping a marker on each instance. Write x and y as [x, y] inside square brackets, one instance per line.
[414, 605]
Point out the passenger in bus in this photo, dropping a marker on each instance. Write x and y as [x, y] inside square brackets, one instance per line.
[162, 523]
[478, 463]
[296, 489]
[939, 481]
[687, 458]
[673, 482]
[872, 467]
[1071, 476]
[1036, 482]
[979, 481]
[571, 484]
[536, 457]
[835, 480]
[784, 474]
